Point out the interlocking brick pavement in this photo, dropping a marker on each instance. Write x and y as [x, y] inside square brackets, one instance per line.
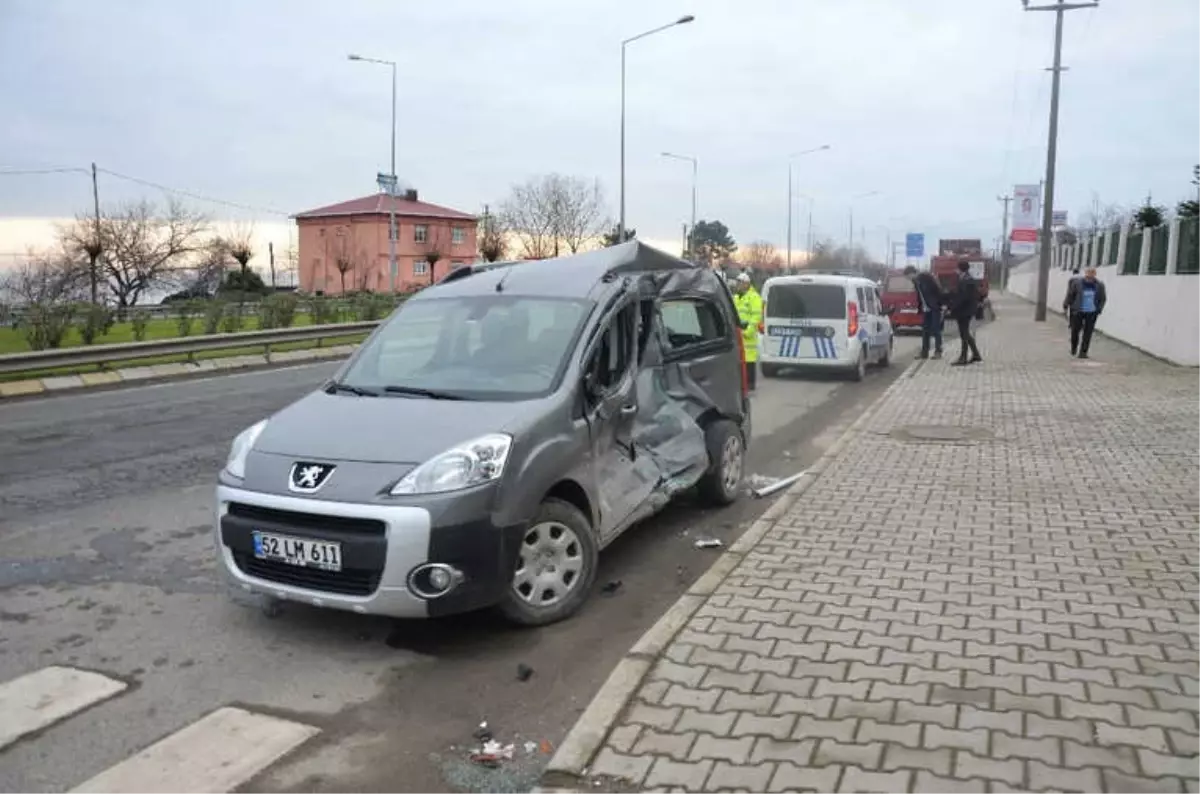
[1012, 611]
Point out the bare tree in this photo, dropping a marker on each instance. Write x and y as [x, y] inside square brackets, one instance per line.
[344, 264]
[207, 271]
[553, 212]
[578, 210]
[45, 286]
[528, 215]
[141, 247]
[1100, 217]
[433, 250]
[492, 243]
[761, 255]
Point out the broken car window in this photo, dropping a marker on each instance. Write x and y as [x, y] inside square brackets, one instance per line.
[690, 322]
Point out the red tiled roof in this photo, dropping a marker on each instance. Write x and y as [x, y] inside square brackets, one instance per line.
[376, 204]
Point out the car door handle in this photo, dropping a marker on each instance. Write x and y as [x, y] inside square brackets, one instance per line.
[628, 410]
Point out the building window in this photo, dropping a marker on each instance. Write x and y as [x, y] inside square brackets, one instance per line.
[458, 235]
[420, 233]
[420, 266]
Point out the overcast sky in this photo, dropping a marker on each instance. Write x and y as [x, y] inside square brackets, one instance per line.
[940, 105]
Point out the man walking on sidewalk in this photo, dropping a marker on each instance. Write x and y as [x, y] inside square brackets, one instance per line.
[1085, 300]
[963, 306]
[1067, 300]
[929, 294]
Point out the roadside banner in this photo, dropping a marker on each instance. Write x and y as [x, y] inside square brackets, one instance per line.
[1027, 207]
[1058, 218]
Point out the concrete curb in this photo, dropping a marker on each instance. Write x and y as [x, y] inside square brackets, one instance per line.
[570, 762]
[115, 378]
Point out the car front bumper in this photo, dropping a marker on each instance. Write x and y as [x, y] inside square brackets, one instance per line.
[382, 546]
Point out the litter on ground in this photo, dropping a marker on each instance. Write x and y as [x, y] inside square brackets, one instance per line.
[708, 543]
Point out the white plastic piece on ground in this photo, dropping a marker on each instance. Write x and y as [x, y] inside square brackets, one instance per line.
[708, 543]
[217, 753]
[756, 481]
[778, 485]
[41, 698]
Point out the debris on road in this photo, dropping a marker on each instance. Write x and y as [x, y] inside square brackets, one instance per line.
[756, 481]
[524, 672]
[777, 485]
[708, 543]
[546, 747]
[483, 733]
[531, 748]
[611, 587]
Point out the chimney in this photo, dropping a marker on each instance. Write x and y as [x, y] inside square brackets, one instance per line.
[410, 194]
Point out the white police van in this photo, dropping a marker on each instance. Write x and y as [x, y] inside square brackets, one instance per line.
[823, 321]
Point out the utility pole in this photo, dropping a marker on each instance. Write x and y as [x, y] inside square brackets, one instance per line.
[1004, 243]
[789, 223]
[1044, 248]
[271, 259]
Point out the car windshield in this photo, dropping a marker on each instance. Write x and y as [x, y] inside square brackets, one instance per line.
[900, 284]
[486, 347]
[807, 301]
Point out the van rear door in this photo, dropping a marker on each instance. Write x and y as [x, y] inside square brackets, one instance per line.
[806, 320]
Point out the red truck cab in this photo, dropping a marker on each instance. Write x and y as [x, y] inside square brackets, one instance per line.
[945, 270]
[899, 295]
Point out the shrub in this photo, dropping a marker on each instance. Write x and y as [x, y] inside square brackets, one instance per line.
[97, 321]
[183, 316]
[46, 324]
[320, 309]
[214, 312]
[140, 321]
[282, 309]
[232, 321]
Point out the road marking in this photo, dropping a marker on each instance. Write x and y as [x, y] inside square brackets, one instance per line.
[217, 753]
[41, 698]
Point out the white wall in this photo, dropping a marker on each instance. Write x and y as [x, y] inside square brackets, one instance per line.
[1159, 314]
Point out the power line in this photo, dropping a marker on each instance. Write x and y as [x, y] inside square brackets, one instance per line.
[190, 194]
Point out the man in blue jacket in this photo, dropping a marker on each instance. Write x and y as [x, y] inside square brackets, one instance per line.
[929, 295]
[1085, 300]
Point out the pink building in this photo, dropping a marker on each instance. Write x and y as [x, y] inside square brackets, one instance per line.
[347, 244]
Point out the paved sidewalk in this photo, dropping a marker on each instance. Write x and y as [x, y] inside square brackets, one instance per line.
[993, 586]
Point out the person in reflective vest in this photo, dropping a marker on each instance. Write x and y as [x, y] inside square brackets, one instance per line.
[750, 311]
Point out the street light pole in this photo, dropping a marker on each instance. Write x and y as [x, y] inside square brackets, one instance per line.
[681, 21]
[1004, 249]
[392, 235]
[1043, 284]
[695, 166]
[822, 148]
[850, 250]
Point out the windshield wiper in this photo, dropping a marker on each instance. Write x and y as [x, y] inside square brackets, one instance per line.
[335, 386]
[428, 393]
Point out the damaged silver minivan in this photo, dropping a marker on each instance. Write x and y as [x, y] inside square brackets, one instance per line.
[491, 436]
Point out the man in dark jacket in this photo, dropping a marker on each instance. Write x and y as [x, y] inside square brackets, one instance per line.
[963, 306]
[1085, 300]
[929, 295]
[1067, 300]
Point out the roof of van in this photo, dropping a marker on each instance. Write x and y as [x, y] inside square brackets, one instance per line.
[817, 278]
[574, 276]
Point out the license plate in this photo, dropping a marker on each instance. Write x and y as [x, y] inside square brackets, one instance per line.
[301, 552]
[908, 311]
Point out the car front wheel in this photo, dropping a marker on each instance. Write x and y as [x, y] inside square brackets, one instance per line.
[860, 367]
[555, 566]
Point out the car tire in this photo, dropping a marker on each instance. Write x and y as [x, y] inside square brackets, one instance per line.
[886, 359]
[770, 370]
[554, 519]
[860, 368]
[722, 484]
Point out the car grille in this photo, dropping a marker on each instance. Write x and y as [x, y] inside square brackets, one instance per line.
[336, 524]
[349, 581]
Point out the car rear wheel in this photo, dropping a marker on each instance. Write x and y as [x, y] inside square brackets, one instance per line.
[886, 359]
[555, 566]
[722, 484]
[860, 367]
[770, 370]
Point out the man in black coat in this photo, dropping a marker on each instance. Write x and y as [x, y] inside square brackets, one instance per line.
[929, 295]
[963, 306]
[1085, 300]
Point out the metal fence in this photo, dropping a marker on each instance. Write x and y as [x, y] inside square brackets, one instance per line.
[108, 355]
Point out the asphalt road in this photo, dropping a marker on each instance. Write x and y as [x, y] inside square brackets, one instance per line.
[107, 563]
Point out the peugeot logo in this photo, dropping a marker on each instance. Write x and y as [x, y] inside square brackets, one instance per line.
[308, 477]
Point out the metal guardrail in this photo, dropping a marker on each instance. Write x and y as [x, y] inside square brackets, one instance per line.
[133, 351]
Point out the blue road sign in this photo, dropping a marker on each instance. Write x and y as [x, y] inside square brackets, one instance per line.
[914, 244]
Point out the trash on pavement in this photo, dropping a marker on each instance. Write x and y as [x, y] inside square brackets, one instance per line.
[757, 481]
[524, 672]
[530, 748]
[611, 587]
[546, 747]
[483, 733]
[708, 543]
[777, 485]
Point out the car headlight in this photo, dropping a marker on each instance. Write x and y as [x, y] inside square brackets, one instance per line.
[463, 466]
[235, 466]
